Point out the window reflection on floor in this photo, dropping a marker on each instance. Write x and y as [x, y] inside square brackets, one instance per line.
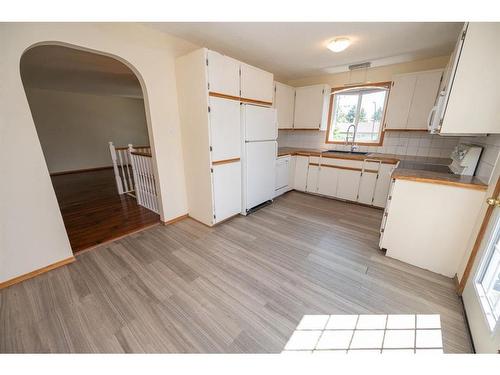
[366, 334]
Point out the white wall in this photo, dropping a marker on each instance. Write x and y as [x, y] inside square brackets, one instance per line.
[74, 128]
[32, 231]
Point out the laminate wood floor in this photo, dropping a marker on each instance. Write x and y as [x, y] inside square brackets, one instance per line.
[240, 287]
[92, 210]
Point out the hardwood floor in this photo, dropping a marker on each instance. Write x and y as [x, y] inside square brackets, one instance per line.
[92, 210]
[241, 286]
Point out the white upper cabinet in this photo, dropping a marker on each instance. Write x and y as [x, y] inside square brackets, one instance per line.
[223, 74]
[284, 101]
[225, 137]
[424, 95]
[474, 96]
[256, 84]
[311, 107]
[411, 98]
[399, 103]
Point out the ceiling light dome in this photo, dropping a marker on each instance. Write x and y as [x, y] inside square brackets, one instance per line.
[339, 44]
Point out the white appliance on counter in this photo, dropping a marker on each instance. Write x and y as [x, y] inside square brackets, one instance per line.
[465, 159]
[258, 155]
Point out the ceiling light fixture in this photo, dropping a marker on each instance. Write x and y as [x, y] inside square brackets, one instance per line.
[339, 44]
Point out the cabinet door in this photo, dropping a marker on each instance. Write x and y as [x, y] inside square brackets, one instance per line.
[472, 106]
[282, 172]
[226, 190]
[347, 186]
[225, 137]
[223, 74]
[284, 101]
[399, 103]
[328, 180]
[312, 179]
[300, 178]
[424, 96]
[367, 183]
[256, 84]
[383, 185]
[309, 107]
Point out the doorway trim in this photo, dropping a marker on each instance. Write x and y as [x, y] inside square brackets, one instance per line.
[478, 241]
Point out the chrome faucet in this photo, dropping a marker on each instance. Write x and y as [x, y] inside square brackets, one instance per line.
[353, 146]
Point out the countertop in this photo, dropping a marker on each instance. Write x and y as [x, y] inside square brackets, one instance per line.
[414, 168]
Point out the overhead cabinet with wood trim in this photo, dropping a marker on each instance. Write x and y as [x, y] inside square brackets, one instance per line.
[256, 84]
[284, 102]
[311, 107]
[208, 87]
[468, 102]
[411, 98]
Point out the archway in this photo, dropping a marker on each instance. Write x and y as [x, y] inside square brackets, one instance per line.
[80, 100]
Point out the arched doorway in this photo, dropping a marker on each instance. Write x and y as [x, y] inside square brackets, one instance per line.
[80, 101]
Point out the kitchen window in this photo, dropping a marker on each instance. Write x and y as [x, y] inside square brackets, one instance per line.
[358, 110]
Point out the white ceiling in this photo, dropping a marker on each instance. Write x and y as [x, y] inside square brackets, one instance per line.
[297, 50]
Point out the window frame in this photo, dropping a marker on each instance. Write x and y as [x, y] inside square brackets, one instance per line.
[386, 84]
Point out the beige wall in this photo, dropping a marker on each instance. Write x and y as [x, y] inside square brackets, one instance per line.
[27, 200]
[379, 74]
[74, 128]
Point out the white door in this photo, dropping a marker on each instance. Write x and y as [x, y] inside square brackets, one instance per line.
[256, 84]
[347, 186]
[223, 74]
[284, 101]
[227, 190]
[399, 103]
[312, 179]
[225, 129]
[309, 107]
[259, 123]
[300, 177]
[327, 182]
[282, 172]
[367, 184]
[481, 295]
[424, 96]
[383, 185]
[260, 164]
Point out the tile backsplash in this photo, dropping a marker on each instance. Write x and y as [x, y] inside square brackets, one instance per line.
[489, 157]
[404, 143]
[400, 143]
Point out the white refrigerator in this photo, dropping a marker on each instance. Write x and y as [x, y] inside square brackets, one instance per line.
[259, 149]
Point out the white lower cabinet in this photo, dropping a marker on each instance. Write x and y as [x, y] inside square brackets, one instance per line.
[348, 183]
[312, 178]
[226, 190]
[383, 185]
[367, 186]
[328, 180]
[301, 167]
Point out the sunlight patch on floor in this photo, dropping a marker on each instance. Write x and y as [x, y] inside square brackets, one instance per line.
[396, 334]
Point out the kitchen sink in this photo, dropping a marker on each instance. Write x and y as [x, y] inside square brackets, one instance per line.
[349, 152]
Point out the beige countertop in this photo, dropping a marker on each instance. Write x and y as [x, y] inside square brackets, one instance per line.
[414, 168]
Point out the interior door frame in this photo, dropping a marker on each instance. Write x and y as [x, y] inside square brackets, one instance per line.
[478, 241]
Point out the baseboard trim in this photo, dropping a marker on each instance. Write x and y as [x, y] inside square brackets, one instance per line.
[175, 219]
[50, 267]
[81, 170]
